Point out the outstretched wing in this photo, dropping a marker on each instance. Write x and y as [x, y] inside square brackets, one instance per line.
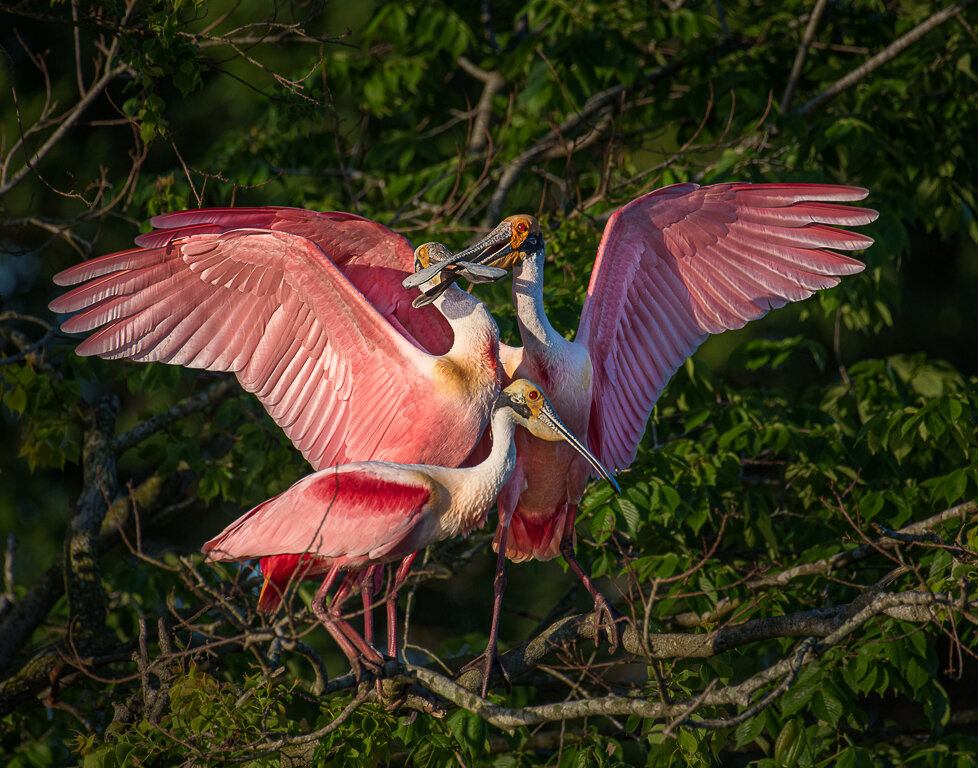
[353, 512]
[371, 256]
[686, 261]
[272, 308]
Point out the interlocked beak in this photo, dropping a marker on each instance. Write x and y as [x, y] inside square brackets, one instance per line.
[473, 261]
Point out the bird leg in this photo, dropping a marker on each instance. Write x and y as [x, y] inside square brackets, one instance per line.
[396, 582]
[369, 584]
[491, 656]
[353, 646]
[606, 617]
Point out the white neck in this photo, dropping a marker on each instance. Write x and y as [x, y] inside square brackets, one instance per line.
[474, 489]
[538, 335]
[469, 319]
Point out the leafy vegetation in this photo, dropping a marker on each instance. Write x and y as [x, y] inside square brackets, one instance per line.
[796, 543]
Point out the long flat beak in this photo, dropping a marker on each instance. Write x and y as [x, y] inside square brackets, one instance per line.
[475, 254]
[549, 417]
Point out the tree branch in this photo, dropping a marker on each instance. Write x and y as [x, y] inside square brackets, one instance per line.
[514, 169]
[64, 125]
[493, 82]
[741, 694]
[884, 56]
[806, 41]
[83, 580]
[193, 404]
[842, 559]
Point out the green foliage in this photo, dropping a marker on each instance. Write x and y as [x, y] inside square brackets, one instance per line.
[787, 444]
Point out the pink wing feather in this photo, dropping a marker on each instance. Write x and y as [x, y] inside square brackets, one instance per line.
[373, 257]
[686, 261]
[272, 308]
[351, 516]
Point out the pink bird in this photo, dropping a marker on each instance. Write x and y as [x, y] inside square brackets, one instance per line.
[306, 309]
[673, 266]
[357, 515]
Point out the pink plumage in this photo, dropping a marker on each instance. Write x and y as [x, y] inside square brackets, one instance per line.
[683, 262]
[273, 307]
[673, 266]
[307, 310]
[350, 516]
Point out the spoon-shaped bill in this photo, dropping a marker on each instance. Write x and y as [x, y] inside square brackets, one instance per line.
[479, 273]
[473, 255]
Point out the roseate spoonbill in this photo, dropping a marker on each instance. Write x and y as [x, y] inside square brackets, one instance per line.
[673, 266]
[356, 515]
[307, 310]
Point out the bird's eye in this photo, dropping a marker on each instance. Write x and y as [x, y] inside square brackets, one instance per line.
[532, 394]
[521, 227]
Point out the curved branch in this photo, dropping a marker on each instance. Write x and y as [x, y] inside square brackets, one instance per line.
[741, 694]
[493, 82]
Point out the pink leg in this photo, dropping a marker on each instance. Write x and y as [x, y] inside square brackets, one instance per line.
[490, 656]
[369, 584]
[323, 614]
[397, 581]
[353, 646]
[605, 616]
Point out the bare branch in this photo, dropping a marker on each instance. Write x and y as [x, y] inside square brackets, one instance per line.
[887, 54]
[514, 169]
[806, 41]
[493, 83]
[842, 559]
[154, 424]
[741, 694]
[64, 125]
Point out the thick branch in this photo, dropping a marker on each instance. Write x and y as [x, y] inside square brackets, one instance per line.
[884, 56]
[740, 694]
[817, 622]
[83, 582]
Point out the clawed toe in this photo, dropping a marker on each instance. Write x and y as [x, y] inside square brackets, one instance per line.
[606, 618]
[484, 664]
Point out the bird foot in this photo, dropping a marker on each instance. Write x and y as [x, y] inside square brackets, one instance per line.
[606, 618]
[484, 664]
[371, 664]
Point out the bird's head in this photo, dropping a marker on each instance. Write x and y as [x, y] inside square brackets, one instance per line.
[424, 257]
[527, 406]
[517, 237]
[430, 253]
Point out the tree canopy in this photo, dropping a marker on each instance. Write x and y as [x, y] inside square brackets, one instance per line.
[796, 543]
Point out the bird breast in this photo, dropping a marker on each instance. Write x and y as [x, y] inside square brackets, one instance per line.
[472, 371]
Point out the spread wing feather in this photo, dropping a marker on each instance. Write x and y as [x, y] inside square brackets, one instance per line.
[270, 307]
[686, 261]
[373, 257]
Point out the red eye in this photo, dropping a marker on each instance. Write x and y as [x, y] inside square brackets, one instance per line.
[533, 394]
[521, 227]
